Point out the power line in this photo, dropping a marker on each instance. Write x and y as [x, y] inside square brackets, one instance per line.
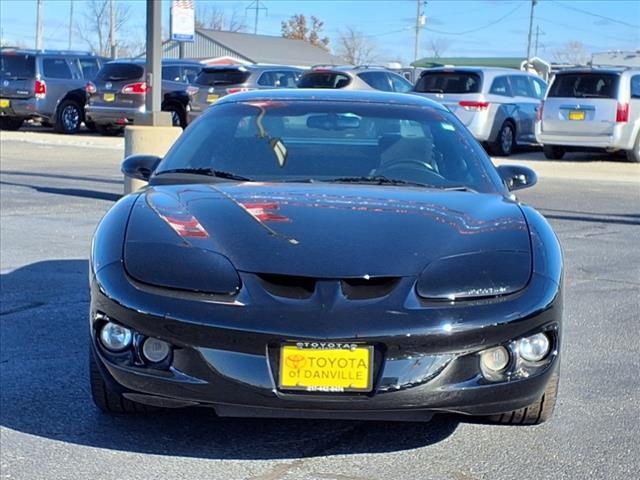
[597, 15]
[256, 5]
[573, 27]
[477, 29]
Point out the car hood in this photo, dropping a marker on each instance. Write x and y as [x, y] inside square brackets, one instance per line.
[324, 230]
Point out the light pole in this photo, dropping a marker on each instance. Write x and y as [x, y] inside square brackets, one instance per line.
[39, 26]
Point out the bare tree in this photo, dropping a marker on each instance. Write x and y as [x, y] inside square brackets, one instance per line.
[212, 18]
[355, 47]
[93, 29]
[572, 53]
[437, 46]
[296, 28]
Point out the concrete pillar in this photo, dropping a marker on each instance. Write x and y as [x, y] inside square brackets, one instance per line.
[149, 140]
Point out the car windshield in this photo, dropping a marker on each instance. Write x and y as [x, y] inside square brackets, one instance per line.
[17, 66]
[324, 141]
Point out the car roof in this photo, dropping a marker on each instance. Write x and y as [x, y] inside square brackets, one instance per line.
[585, 70]
[251, 67]
[475, 70]
[332, 95]
[47, 53]
[165, 61]
[346, 69]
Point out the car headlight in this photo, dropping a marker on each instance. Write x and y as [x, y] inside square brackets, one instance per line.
[475, 275]
[534, 348]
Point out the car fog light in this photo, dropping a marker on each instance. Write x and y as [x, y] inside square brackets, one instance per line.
[115, 337]
[155, 350]
[534, 348]
[495, 359]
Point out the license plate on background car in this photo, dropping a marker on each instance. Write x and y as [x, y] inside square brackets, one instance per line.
[4, 103]
[320, 367]
[576, 115]
[212, 98]
[109, 97]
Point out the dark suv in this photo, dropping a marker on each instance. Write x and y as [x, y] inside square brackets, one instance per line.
[362, 77]
[119, 90]
[45, 85]
[217, 81]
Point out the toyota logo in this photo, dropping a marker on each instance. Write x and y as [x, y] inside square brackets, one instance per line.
[108, 85]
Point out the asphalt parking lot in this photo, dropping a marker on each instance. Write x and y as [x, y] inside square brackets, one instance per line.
[53, 191]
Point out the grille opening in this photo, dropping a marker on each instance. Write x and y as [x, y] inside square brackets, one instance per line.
[289, 286]
[361, 288]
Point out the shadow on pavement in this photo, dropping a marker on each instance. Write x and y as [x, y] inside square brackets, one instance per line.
[73, 192]
[65, 177]
[43, 369]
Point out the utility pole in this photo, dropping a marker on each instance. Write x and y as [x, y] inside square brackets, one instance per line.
[70, 25]
[533, 4]
[39, 26]
[538, 33]
[112, 29]
[256, 5]
[420, 22]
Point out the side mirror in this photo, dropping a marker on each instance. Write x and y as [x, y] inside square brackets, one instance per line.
[140, 167]
[137, 170]
[517, 177]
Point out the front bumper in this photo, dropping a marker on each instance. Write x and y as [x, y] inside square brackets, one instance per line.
[226, 353]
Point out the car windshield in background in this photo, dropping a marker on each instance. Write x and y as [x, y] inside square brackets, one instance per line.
[230, 76]
[324, 80]
[449, 82]
[116, 72]
[323, 141]
[585, 85]
[17, 66]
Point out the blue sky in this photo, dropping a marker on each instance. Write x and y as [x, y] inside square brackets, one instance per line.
[465, 28]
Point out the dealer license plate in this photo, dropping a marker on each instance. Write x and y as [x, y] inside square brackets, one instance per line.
[109, 97]
[212, 98]
[326, 367]
[4, 103]
[576, 115]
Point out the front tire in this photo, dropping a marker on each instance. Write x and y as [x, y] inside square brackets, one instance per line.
[536, 413]
[633, 155]
[69, 117]
[553, 152]
[178, 116]
[503, 146]
[11, 123]
[107, 400]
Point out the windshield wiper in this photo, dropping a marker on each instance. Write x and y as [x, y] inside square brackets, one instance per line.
[434, 90]
[209, 172]
[458, 188]
[376, 180]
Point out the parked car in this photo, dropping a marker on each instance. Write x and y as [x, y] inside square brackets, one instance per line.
[363, 77]
[45, 85]
[590, 109]
[326, 254]
[119, 90]
[214, 82]
[498, 105]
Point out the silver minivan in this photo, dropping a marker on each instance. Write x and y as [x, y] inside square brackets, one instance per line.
[590, 109]
[498, 105]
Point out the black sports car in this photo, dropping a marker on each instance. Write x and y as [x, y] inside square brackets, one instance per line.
[326, 254]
